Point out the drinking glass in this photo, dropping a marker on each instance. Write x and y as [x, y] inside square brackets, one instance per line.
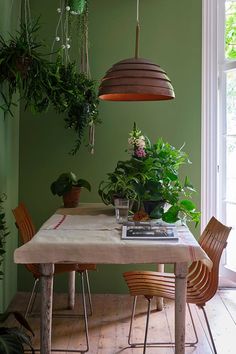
[122, 210]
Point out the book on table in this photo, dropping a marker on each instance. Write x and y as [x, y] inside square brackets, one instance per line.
[149, 231]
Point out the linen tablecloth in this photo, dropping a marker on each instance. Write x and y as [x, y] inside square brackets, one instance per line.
[90, 234]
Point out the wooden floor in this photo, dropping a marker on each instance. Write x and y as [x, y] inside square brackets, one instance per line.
[108, 327]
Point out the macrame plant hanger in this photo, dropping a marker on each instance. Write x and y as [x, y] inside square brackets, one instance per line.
[63, 35]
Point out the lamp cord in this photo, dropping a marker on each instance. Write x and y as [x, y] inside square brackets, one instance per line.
[137, 33]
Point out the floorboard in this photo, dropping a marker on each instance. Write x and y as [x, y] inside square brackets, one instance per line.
[109, 324]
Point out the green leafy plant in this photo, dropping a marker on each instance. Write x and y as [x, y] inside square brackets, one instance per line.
[118, 185]
[24, 68]
[73, 93]
[13, 339]
[66, 181]
[3, 231]
[153, 170]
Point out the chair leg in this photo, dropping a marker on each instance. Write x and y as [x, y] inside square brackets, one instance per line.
[32, 298]
[209, 329]
[89, 294]
[147, 323]
[84, 313]
[194, 328]
[132, 320]
[157, 344]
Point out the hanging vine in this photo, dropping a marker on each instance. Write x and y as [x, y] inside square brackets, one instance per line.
[42, 81]
[82, 105]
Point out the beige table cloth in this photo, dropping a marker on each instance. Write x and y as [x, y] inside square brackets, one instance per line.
[90, 234]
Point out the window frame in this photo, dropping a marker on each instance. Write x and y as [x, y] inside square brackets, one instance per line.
[214, 125]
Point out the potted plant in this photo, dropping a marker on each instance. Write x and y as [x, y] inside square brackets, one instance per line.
[68, 186]
[74, 93]
[155, 170]
[77, 7]
[14, 339]
[24, 69]
[118, 185]
[41, 83]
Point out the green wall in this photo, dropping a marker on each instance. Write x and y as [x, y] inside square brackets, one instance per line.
[170, 37]
[9, 151]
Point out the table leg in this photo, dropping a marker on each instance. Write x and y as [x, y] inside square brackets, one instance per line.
[181, 270]
[159, 300]
[71, 290]
[47, 271]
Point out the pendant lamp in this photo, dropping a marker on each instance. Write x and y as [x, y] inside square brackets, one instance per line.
[136, 79]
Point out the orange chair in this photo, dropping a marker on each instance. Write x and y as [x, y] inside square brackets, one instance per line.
[27, 230]
[202, 283]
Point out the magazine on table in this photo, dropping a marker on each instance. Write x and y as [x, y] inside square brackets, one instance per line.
[149, 230]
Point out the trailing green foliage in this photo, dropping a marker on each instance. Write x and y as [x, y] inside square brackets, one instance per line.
[25, 69]
[73, 93]
[13, 340]
[3, 232]
[41, 83]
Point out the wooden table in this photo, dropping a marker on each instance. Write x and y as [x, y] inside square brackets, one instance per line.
[89, 234]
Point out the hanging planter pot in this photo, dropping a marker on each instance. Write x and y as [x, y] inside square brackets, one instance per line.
[77, 7]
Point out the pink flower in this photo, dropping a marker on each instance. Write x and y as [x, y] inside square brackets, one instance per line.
[140, 152]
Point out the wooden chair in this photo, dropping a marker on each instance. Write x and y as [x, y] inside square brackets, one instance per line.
[202, 283]
[27, 230]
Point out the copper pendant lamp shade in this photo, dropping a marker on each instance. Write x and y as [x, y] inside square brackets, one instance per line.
[136, 79]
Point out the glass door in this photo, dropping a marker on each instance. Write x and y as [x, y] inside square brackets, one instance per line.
[227, 132]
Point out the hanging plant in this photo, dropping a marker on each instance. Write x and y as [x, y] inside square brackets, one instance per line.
[24, 69]
[77, 96]
[77, 7]
[3, 231]
[72, 26]
[41, 82]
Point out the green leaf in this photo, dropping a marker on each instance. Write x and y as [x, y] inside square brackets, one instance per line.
[187, 205]
[9, 344]
[85, 184]
[171, 215]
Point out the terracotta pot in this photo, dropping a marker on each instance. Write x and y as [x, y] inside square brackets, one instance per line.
[71, 198]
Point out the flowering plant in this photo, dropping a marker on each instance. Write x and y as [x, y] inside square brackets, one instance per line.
[153, 172]
[137, 141]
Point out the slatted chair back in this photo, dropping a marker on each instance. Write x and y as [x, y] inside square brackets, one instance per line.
[26, 229]
[202, 282]
[24, 223]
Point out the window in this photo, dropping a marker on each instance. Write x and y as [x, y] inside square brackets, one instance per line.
[219, 120]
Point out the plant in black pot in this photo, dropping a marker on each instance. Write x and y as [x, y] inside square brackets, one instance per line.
[69, 187]
[162, 193]
[158, 186]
